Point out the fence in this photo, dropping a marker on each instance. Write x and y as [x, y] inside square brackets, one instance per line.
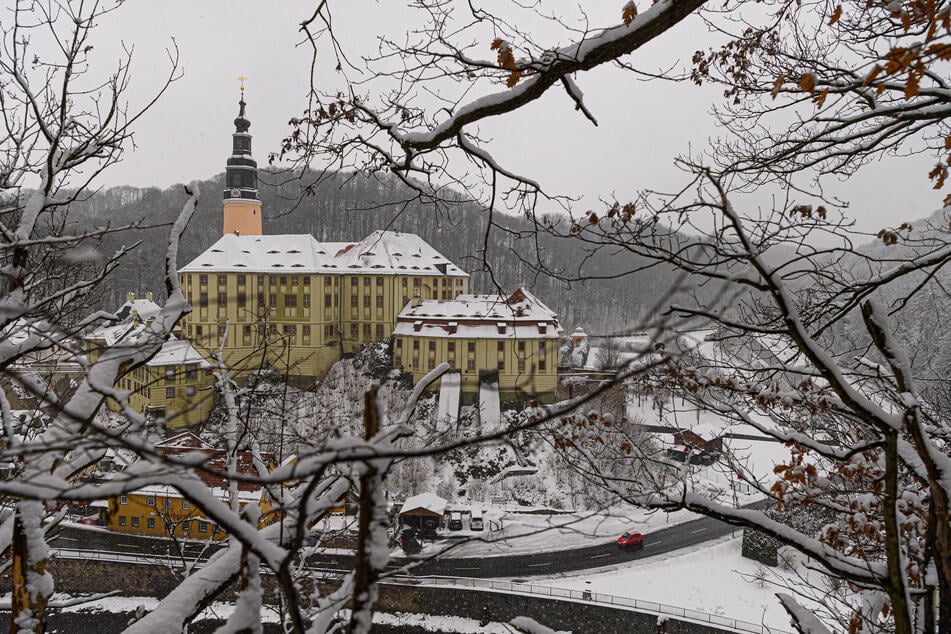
[597, 598]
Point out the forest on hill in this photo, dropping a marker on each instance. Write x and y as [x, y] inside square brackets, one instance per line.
[347, 207]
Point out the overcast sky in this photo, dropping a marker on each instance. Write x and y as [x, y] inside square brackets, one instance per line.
[642, 125]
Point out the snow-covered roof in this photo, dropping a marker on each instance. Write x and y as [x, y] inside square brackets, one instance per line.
[144, 309]
[178, 352]
[519, 316]
[132, 317]
[383, 252]
[183, 440]
[428, 501]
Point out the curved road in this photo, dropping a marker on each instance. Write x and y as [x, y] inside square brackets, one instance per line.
[543, 563]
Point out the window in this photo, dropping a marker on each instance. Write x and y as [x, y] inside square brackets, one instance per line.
[451, 346]
[242, 300]
[432, 346]
[432, 364]
[521, 365]
[203, 280]
[404, 280]
[222, 299]
[366, 281]
[521, 346]
[307, 330]
[199, 331]
[366, 301]
[290, 330]
[366, 330]
[327, 281]
[353, 330]
[283, 280]
[189, 390]
[471, 346]
[240, 280]
[379, 331]
[541, 365]
[399, 343]
[306, 301]
[123, 499]
[135, 522]
[184, 505]
[246, 330]
[168, 503]
[354, 301]
[222, 330]
[470, 365]
[203, 300]
[398, 361]
[169, 374]
[328, 331]
[354, 281]
[501, 364]
[170, 392]
[306, 280]
[272, 280]
[122, 520]
[260, 298]
[151, 522]
[272, 300]
[379, 281]
[294, 280]
[202, 527]
[260, 280]
[185, 526]
[222, 280]
[417, 282]
[500, 345]
[191, 371]
[150, 501]
[379, 301]
[415, 344]
[328, 300]
[290, 301]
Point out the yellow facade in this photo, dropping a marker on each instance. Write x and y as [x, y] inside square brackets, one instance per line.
[182, 393]
[527, 368]
[164, 512]
[300, 323]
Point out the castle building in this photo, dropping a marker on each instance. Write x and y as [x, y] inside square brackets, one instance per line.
[512, 340]
[292, 302]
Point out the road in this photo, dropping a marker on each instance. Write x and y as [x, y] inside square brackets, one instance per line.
[510, 566]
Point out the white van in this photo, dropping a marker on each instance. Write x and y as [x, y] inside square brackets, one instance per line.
[475, 520]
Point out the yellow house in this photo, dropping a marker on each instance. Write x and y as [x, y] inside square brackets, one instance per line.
[160, 510]
[483, 336]
[176, 384]
[299, 305]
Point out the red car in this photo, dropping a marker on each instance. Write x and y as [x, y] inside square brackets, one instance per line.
[631, 539]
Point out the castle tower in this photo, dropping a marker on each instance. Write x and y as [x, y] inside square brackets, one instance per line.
[242, 208]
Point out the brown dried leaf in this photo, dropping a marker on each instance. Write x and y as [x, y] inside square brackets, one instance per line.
[777, 85]
[911, 86]
[808, 83]
[629, 13]
[835, 15]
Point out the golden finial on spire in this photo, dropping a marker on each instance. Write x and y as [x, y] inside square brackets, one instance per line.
[242, 79]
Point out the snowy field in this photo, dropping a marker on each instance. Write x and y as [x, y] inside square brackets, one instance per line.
[713, 578]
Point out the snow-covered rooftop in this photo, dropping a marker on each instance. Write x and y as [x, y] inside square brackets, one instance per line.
[178, 352]
[520, 316]
[427, 501]
[385, 252]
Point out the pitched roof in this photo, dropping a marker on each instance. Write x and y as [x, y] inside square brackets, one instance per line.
[178, 352]
[427, 501]
[383, 252]
[520, 315]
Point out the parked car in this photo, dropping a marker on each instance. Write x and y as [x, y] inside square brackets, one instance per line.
[455, 521]
[632, 540]
[475, 520]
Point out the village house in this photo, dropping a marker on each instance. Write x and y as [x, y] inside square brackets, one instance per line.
[160, 510]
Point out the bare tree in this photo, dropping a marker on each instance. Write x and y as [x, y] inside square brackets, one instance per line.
[859, 80]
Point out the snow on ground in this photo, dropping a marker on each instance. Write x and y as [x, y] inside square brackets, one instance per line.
[710, 578]
[524, 533]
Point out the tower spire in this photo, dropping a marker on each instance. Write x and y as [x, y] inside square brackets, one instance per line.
[242, 207]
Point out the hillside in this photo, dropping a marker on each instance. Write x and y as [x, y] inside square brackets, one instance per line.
[348, 207]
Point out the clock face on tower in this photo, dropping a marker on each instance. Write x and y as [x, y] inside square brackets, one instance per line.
[235, 193]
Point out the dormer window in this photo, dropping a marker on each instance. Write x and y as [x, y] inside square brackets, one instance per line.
[501, 327]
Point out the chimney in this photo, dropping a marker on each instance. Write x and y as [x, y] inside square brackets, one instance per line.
[130, 297]
[148, 295]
